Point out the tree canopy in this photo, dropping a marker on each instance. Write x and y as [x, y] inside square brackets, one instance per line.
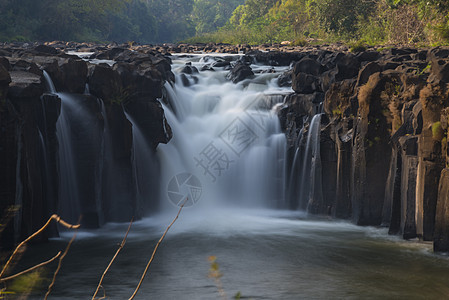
[231, 21]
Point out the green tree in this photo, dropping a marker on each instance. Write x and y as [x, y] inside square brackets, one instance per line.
[209, 15]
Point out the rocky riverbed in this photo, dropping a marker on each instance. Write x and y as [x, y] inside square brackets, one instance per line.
[383, 132]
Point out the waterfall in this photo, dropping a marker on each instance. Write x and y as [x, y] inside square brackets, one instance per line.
[145, 170]
[79, 131]
[49, 83]
[310, 174]
[225, 134]
[69, 198]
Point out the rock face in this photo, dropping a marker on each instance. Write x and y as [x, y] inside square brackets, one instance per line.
[383, 138]
[102, 134]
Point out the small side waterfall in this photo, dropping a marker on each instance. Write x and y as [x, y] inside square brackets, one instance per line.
[145, 170]
[69, 198]
[79, 131]
[49, 83]
[305, 178]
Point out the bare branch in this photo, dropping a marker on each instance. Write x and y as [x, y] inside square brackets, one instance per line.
[31, 269]
[155, 250]
[122, 244]
[50, 287]
[53, 217]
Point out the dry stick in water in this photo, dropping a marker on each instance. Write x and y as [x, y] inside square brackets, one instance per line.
[53, 217]
[122, 244]
[31, 269]
[155, 250]
[50, 287]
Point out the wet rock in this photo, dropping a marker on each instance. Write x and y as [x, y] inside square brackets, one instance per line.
[239, 73]
[207, 68]
[25, 85]
[149, 116]
[221, 64]
[106, 84]
[285, 79]
[188, 69]
[74, 75]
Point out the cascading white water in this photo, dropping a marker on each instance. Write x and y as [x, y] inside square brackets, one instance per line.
[226, 134]
[69, 204]
[80, 141]
[145, 169]
[311, 165]
[70, 208]
[49, 83]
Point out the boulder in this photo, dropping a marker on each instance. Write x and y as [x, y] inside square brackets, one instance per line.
[303, 83]
[25, 85]
[239, 73]
[106, 83]
[149, 116]
[189, 69]
[74, 77]
[285, 79]
[44, 49]
[308, 66]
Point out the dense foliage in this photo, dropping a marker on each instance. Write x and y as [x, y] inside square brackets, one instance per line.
[149, 21]
[230, 21]
[372, 21]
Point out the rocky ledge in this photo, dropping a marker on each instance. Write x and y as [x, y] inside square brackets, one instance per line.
[384, 137]
[129, 90]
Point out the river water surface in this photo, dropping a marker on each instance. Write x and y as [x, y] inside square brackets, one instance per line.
[262, 254]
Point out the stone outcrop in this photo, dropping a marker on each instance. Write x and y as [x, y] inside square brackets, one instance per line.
[384, 137]
[29, 145]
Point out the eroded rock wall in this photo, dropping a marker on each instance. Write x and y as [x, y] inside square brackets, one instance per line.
[29, 147]
[386, 115]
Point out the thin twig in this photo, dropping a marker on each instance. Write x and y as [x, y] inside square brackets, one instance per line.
[154, 251]
[122, 244]
[53, 217]
[31, 269]
[50, 287]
